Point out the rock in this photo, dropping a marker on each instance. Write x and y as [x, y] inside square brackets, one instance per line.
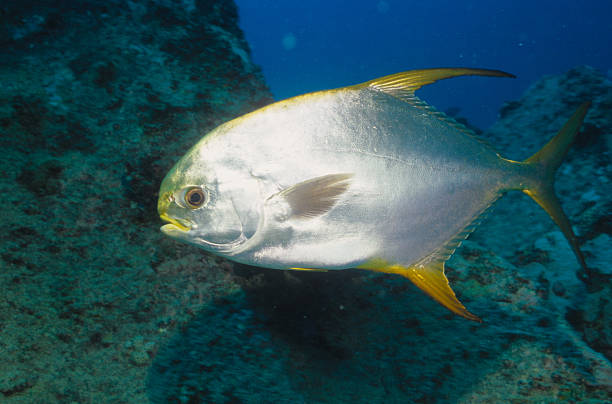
[99, 100]
[600, 253]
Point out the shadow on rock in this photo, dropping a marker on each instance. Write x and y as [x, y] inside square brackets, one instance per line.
[349, 336]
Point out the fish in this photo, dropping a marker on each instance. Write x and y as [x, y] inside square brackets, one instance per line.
[366, 176]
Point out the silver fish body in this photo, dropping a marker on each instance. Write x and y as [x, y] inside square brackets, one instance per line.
[363, 176]
[416, 181]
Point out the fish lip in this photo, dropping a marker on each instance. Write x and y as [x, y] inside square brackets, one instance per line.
[173, 223]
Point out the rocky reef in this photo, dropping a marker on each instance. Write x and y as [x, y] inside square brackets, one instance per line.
[99, 99]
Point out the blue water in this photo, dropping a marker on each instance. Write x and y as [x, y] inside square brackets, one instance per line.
[304, 46]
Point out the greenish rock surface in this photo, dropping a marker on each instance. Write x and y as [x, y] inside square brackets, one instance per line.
[98, 100]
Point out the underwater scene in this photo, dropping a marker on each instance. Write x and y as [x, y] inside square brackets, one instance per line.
[178, 229]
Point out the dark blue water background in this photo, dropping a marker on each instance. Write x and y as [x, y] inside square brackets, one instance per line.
[304, 46]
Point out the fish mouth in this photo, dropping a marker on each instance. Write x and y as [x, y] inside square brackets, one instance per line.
[174, 224]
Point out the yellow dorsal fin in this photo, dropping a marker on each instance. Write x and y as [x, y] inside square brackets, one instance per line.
[430, 278]
[403, 85]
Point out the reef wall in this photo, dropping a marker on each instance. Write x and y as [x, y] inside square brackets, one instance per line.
[98, 99]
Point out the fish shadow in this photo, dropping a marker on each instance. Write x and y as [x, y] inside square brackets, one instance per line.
[303, 309]
[345, 336]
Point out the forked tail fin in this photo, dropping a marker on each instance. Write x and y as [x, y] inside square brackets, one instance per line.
[545, 163]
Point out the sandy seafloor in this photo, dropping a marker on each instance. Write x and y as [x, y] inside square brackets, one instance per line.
[98, 100]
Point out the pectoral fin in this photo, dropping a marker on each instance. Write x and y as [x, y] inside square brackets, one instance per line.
[430, 278]
[316, 196]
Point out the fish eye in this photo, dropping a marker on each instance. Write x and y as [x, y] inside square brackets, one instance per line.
[195, 197]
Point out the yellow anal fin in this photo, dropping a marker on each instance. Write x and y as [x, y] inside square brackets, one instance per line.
[308, 269]
[404, 84]
[429, 278]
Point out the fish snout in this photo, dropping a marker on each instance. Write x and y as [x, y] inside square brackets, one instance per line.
[174, 224]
